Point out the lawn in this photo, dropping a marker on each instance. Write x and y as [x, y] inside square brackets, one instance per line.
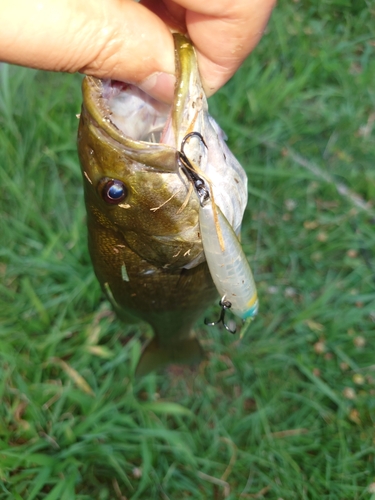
[285, 412]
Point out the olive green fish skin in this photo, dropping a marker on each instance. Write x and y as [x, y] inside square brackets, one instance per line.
[139, 248]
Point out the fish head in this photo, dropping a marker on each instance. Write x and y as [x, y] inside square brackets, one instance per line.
[133, 185]
[129, 146]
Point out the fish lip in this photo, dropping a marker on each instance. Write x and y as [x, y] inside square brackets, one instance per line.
[190, 108]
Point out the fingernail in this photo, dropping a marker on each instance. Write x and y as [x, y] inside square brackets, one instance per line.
[160, 86]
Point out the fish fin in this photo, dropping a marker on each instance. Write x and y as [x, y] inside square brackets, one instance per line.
[154, 357]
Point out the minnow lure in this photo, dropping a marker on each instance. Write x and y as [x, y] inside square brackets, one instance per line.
[229, 268]
[226, 260]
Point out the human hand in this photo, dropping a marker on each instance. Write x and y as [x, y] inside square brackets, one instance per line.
[129, 41]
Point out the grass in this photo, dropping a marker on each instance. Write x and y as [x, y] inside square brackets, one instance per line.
[285, 413]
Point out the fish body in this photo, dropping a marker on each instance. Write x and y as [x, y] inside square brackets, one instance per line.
[142, 213]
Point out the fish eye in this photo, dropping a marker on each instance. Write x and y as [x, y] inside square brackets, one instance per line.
[114, 191]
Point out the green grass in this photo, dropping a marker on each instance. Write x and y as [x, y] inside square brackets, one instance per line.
[288, 412]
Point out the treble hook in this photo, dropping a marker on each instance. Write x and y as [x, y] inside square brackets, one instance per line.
[188, 169]
[188, 136]
[224, 304]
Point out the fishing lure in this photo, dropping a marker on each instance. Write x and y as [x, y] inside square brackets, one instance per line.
[225, 258]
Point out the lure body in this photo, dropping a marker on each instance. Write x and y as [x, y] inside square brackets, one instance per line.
[225, 258]
[227, 262]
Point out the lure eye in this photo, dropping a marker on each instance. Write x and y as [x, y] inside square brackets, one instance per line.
[114, 192]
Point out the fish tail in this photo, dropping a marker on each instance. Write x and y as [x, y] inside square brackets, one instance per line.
[154, 357]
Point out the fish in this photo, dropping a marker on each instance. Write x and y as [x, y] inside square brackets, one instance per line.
[143, 209]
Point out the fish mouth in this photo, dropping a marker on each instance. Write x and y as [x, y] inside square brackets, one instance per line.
[111, 113]
[143, 126]
[136, 114]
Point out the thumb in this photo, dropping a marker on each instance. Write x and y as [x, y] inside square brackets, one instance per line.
[108, 39]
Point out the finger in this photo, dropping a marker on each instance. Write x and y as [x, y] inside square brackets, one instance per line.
[109, 39]
[224, 32]
[224, 41]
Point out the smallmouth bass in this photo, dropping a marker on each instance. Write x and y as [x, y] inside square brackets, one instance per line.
[142, 212]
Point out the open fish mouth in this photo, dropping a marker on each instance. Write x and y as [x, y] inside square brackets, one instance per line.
[134, 119]
[141, 118]
[135, 113]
